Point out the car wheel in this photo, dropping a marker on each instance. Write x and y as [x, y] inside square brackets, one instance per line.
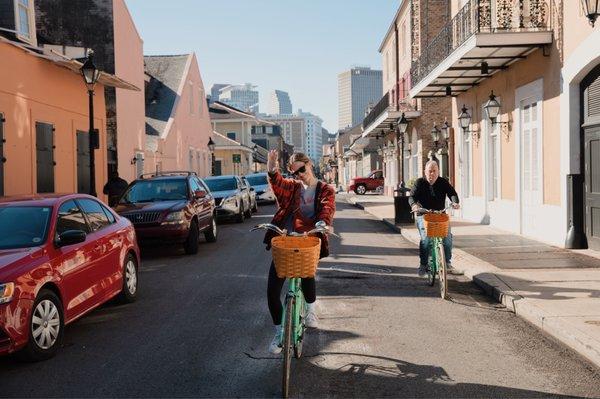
[211, 234]
[248, 213]
[240, 216]
[46, 327]
[191, 243]
[130, 280]
[361, 189]
[255, 208]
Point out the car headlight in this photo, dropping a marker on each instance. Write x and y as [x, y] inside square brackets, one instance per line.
[177, 217]
[7, 291]
[230, 201]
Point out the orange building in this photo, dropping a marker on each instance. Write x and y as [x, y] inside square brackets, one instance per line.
[44, 124]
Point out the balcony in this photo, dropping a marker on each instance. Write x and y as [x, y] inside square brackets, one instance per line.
[381, 118]
[497, 32]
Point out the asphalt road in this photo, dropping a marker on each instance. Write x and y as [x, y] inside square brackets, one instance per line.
[201, 328]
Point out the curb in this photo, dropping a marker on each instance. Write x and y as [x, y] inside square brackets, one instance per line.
[483, 275]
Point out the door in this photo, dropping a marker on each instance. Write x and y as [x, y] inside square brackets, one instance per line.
[201, 205]
[83, 162]
[44, 134]
[74, 262]
[531, 163]
[2, 158]
[591, 158]
[218, 168]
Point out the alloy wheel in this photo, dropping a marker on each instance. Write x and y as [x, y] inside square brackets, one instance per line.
[45, 324]
[131, 277]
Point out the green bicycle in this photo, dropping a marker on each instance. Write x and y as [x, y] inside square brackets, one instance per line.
[436, 226]
[295, 256]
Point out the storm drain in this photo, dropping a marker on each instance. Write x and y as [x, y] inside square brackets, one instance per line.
[359, 269]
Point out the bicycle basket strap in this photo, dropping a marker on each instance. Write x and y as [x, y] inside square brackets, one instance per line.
[296, 256]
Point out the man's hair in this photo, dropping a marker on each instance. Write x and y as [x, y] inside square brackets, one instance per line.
[431, 162]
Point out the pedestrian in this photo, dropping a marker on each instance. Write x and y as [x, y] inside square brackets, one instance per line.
[114, 188]
[302, 202]
[430, 192]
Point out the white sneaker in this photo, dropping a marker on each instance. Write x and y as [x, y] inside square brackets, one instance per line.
[276, 345]
[311, 321]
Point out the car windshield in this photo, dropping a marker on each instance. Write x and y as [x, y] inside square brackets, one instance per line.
[222, 184]
[257, 180]
[23, 226]
[156, 190]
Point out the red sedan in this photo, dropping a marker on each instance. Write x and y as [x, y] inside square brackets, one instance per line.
[60, 257]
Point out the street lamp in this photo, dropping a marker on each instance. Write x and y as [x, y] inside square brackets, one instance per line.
[435, 134]
[590, 10]
[402, 126]
[90, 76]
[464, 119]
[255, 149]
[211, 148]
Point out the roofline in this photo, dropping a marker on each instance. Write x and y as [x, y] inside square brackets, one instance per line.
[186, 72]
[392, 25]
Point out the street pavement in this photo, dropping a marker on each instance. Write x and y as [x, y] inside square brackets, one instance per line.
[556, 289]
[200, 328]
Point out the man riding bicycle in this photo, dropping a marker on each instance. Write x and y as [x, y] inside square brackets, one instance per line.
[430, 192]
[302, 202]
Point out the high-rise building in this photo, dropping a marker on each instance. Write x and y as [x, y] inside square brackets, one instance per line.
[303, 130]
[215, 91]
[243, 97]
[356, 89]
[280, 103]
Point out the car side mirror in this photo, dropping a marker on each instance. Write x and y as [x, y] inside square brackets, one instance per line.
[70, 237]
[199, 194]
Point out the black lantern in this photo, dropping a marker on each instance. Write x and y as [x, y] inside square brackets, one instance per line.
[464, 119]
[485, 68]
[445, 130]
[435, 134]
[211, 144]
[89, 71]
[590, 9]
[211, 148]
[492, 108]
[402, 124]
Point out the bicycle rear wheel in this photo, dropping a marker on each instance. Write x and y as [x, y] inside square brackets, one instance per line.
[441, 259]
[287, 346]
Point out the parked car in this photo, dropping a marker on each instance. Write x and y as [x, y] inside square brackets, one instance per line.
[170, 208]
[60, 257]
[230, 197]
[259, 181]
[251, 193]
[373, 182]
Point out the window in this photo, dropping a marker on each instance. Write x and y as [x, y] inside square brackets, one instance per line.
[70, 217]
[109, 214]
[25, 20]
[231, 135]
[95, 214]
[23, 226]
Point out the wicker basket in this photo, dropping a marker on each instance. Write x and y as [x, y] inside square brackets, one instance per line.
[436, 224]
[296, 256]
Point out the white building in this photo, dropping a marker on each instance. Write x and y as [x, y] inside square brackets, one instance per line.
[357, 88]
[243, 97]
[303, 130]
[280, 103]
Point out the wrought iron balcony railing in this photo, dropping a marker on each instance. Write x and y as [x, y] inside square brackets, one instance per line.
[377, 110]
[481, 16]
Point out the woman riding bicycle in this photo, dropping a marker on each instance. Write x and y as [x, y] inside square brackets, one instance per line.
[302, 202]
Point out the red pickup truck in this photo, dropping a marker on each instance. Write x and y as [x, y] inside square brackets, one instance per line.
[373, 182]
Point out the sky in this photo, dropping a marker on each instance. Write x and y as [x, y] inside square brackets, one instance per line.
[299, 46]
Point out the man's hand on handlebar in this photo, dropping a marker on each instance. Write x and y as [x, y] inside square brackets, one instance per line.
[455, 205]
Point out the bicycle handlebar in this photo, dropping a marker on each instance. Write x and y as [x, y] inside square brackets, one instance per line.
[321, 228]
[424, 210]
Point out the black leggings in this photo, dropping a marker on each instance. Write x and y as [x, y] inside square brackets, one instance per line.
[274, 293]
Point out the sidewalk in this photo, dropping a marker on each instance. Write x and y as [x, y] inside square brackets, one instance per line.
[555, 289]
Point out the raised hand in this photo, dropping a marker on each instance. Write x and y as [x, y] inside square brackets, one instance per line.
[272, 162]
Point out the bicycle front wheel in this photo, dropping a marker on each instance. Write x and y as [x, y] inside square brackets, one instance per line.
[287, 346]
[441, 259]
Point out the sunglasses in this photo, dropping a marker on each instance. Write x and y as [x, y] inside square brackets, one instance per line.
[301, 169]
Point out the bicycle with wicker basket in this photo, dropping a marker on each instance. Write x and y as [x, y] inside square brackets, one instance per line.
[296, 256]
[437, 225]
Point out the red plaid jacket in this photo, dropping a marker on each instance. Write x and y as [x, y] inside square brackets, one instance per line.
[287, 193]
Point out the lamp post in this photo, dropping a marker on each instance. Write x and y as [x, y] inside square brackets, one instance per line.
[90, 76]
[401, 131]
[211, 148]
[255, 149]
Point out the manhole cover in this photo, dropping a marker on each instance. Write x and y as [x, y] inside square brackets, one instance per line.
[358, 269]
